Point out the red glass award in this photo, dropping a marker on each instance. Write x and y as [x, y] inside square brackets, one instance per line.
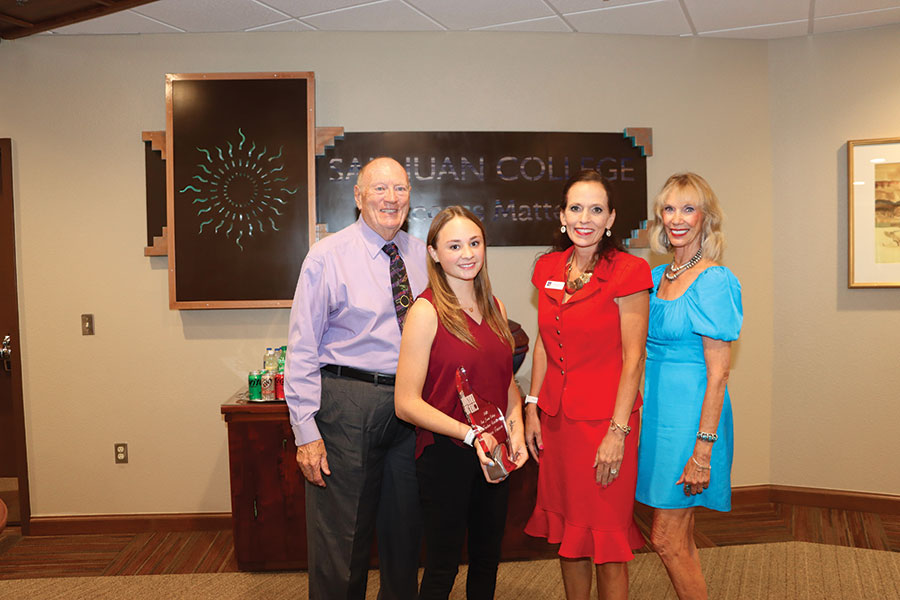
[485, 417]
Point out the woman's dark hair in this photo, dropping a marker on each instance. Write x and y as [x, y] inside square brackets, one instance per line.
[607, 245]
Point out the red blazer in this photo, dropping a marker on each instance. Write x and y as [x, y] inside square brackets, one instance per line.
[583, 337]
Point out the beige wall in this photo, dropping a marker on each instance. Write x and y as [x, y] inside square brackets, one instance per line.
[835, 403]
[75, 107]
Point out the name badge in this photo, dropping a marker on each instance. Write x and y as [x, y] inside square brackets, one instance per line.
[554, 285]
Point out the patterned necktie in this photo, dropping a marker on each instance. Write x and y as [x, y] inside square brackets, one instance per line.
[399, 283]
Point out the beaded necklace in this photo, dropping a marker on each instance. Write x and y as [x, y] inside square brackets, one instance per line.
[573, 285]
[672, 272]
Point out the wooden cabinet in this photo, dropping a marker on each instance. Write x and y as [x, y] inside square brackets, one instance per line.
[267, 493]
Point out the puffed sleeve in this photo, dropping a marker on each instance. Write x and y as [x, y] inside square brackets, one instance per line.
[714, 302]
[540, 268]
[633, 275]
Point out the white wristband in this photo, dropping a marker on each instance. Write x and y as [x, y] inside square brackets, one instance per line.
[531, 399]
[470, 437]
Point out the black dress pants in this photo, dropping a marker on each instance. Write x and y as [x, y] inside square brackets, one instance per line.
[372, 486]
[455, 498]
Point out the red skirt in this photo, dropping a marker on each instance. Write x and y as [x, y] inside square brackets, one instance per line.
[573, 510]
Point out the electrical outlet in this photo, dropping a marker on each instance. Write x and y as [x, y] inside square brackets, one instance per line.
[121, 453]
[87, 324]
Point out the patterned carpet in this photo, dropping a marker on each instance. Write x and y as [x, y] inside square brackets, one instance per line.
[789, 570]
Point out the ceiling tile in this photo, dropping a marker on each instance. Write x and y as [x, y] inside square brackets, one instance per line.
[121, 22]
[714, 15]
[547, 24]
[570, 6]
[388, 15]
[827, 8]
[749, 19]
[660, 17]
[469, 14]
[763, 32]
[857, 21]
[287, 25]
[211, 15]
[304, 8]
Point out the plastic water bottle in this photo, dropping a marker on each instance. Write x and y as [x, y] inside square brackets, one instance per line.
[270, 362]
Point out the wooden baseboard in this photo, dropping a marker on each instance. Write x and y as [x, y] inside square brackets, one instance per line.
[743, 495]
[750, 494]
[129, 523]
[804, 496]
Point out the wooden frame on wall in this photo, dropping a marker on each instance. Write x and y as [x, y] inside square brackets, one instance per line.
[873, 198]
[240, 187]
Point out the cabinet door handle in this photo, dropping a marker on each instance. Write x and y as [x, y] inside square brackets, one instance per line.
[255, 512]
[284, 443]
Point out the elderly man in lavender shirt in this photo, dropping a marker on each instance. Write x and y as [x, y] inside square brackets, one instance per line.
[343, 344]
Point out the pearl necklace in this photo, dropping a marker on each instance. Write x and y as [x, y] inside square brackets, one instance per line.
[672, 272]
[573, 285]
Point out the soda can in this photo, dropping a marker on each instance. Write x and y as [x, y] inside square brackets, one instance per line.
[267, 383]
[254, 386]
[279, 386]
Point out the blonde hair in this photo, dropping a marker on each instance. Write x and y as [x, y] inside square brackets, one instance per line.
[713, 243]
[449, 311]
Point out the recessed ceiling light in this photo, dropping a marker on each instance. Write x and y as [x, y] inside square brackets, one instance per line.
[878, 160]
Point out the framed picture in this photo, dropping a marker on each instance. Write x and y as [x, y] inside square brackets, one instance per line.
[240, 185]
[873, 179]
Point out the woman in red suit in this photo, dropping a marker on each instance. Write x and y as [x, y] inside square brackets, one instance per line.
[581, 416]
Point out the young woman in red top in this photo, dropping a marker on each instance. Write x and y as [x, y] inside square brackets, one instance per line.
[457, 322]
[592, 321]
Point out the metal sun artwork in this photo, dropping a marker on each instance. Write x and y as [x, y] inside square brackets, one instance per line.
[240, 191]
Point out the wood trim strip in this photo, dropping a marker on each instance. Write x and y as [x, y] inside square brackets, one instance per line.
[752, 494]
[160, 245]
[170, 191]
[641, 137]
[157, 141]
[325, 138]
[14, 21]
[842, 499]
[130, 523]
[17, 406]
[821, 497]
[68, 18]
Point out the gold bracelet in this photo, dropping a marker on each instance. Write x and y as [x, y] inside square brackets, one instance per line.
[623, 428]
[705, 468]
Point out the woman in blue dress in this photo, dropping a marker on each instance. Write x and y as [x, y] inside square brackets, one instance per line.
[686, 443]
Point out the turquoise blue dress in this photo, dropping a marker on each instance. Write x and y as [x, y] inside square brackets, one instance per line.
[674, 385]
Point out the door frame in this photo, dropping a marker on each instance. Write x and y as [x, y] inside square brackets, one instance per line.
[8, 232]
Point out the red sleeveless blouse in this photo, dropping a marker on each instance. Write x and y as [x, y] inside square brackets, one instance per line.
[489, 367]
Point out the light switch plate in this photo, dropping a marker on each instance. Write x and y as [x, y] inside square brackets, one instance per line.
[87, 324]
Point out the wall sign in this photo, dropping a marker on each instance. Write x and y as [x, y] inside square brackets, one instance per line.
[511, 180]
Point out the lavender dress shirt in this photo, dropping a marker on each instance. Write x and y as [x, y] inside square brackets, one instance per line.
[343, 314]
